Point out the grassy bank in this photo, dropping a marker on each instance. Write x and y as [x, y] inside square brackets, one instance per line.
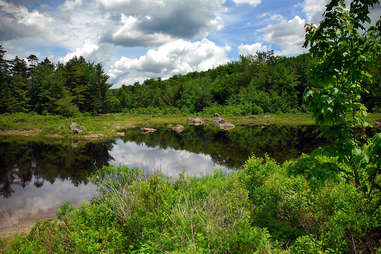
[111, 125]
[262, 209]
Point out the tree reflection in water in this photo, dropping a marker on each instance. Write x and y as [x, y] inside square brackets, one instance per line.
[22, 162]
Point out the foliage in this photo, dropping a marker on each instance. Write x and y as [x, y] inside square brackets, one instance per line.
[64, 89]
[261, 83]
[333, 217]
[345, 43]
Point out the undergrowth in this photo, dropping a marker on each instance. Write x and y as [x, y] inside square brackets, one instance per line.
[261, 209]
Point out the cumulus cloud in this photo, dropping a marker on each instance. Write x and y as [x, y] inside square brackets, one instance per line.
[86, 50]
[314, 10]
[177, 57]
[169, 162]
[18, 22]
[251, 2]
[289, 35]
[252, 49]
[140, 22]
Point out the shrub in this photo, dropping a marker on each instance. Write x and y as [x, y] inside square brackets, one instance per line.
[333, 216]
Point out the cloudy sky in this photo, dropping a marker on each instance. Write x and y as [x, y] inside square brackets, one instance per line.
[139, 39]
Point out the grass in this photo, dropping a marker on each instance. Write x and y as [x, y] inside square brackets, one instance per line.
[112, 125]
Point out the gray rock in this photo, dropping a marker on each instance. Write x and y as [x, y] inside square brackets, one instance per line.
[74, 128]
[220, 122]
[196, 121]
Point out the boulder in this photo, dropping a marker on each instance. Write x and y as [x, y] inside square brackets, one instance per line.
[220, 122]
[266, 116]
[195, 121]
[74, 128]
[178, 128]
[253, 117]
[227, 126]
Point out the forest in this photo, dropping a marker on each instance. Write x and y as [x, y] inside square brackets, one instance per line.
[263, 83]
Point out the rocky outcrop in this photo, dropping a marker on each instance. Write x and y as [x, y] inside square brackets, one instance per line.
[220, 122]
[178, 128]
[74, 128]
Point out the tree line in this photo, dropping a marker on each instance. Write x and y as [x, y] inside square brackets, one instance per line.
[45, 87]
[262, 83]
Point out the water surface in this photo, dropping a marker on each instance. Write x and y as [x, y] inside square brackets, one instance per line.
[36, 177]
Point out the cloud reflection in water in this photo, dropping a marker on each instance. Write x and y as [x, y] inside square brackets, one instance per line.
[169, 161]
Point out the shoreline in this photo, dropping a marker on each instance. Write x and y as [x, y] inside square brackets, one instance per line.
[30, 125]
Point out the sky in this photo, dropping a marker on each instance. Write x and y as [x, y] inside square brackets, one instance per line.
[140, 39]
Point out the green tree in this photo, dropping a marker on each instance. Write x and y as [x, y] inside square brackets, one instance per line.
[345, 42]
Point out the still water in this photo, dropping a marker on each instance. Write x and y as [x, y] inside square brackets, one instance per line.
[36, 177]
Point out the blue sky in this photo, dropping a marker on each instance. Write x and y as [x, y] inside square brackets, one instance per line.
[140, 39]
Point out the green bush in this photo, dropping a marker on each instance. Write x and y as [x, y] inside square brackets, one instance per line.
[208, 215]
[334, 216]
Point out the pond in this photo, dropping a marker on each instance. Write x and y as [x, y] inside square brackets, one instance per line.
[36, 177]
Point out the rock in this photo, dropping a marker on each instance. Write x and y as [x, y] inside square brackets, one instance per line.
[253, 117]
[220, 122]
[147, 130]
[266, 116]
[227, 126]
[196, 121]
[74, 128]
[178, 128]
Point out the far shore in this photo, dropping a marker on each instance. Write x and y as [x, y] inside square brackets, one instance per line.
[113, 125]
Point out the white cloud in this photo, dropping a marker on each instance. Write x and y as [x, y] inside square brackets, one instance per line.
[71, 4]
[314, 10]
[289, 35]
[252, 49]
[138, 22]
[177, 57]
[18, 22]
[251, 2]
[169, 162]
[86, 50]
[128, 34]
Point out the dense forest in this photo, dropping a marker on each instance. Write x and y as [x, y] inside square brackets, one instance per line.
[263, 83]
